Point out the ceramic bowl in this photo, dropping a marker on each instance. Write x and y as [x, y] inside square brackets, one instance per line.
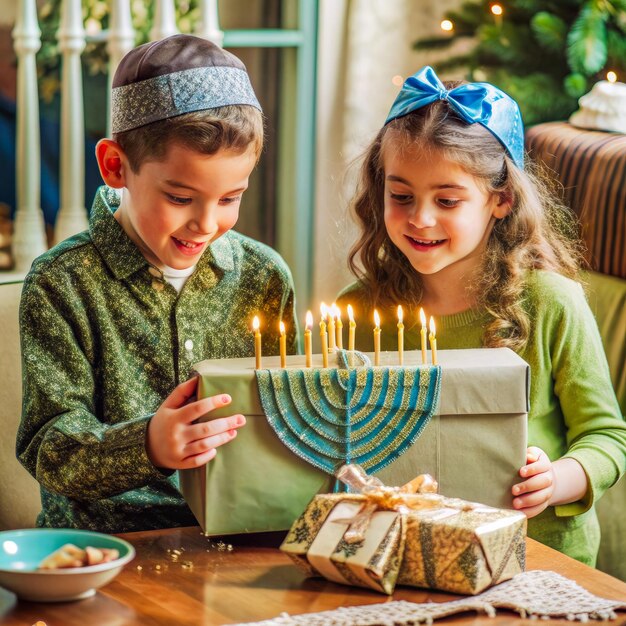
[21, 551]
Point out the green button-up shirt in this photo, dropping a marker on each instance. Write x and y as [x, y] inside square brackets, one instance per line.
[105, 340]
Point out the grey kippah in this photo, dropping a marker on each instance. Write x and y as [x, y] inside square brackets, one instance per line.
[176, 75]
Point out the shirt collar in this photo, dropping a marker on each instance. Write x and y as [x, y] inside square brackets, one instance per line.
[116, 248]
[120, 253]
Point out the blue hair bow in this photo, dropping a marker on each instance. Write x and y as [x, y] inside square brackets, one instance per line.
[475, 103]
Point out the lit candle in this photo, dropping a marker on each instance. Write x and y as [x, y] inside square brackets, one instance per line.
[283, 345]
[308, 343]
[257, 341]
[423, 334]
[599, 108]
[376, 338]
[400, 337]
[331, 326]
[338, 327]
[433, 340]
[324, 334]
[351, 328]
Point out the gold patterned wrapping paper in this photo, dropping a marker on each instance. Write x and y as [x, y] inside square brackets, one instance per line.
[452, 545]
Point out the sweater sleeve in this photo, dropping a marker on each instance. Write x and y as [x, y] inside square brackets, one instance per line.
[61, 441]
[595, 427]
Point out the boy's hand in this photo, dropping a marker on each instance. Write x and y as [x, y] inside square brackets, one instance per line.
[174, 441]
[533, 495]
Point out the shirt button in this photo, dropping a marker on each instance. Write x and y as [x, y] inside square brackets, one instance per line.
[188, 345]
[155, 272]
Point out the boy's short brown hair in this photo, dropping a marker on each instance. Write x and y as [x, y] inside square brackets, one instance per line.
[235, 127]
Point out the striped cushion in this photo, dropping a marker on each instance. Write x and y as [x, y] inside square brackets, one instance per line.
[591, 166]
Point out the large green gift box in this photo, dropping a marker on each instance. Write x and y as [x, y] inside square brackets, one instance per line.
[473, 444]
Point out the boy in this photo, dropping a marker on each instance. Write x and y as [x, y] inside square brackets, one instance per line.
[113, 319]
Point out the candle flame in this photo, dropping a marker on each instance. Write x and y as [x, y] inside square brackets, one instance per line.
[423, 317]
[282, 327]
[334, 310]
[324, 310]
[432, 326]
[400, 315]
[256, 324]
[376, 318]
[497, 9]
[611, 76]
[350, 313]
[308, 324]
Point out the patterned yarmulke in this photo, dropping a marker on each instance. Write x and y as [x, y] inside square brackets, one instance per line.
[173, 76]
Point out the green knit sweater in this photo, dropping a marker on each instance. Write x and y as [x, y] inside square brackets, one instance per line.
[573, 408]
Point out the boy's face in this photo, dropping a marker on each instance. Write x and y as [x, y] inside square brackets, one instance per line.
[174, 208]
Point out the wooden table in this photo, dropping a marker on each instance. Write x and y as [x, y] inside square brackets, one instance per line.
[208, 583]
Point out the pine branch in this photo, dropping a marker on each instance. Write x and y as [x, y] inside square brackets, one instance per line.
[434, 43]
[541, 98]
[549, 30]
[616, 49]
[575, 85]
[586, 41]
[470, 15]
[455, 62]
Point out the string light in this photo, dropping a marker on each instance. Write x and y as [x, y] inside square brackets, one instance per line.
[611, 76]
[446, 25]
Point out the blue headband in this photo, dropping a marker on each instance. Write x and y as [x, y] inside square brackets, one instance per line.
[480, 103]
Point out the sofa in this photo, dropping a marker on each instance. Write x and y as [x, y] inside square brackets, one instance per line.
[19, 491]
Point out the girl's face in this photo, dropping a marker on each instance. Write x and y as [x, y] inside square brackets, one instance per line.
[436, 213]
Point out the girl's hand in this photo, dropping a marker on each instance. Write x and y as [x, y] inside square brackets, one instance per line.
[533, 495]
[175, 441]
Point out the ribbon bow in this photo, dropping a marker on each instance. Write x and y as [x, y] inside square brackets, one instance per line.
[475, 103]
[418, 494]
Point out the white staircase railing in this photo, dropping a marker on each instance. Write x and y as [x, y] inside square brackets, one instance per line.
[209, 25]
[164, 23]
[29, 238]
[120, 41]
[72, 216]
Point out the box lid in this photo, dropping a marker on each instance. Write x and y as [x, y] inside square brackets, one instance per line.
[484, 381]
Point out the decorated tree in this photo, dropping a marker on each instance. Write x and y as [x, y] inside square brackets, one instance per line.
[545, 54]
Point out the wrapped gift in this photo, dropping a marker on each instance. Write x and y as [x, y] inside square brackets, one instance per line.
[385, 536]
[463, 421]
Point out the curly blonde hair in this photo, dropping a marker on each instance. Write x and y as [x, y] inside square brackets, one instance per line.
[539, 232]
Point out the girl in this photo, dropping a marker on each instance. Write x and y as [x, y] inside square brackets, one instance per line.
[451, 221]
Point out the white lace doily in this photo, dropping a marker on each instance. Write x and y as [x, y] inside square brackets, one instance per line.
[535, 593]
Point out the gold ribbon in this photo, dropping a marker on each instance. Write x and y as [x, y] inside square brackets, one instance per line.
[417, 495]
